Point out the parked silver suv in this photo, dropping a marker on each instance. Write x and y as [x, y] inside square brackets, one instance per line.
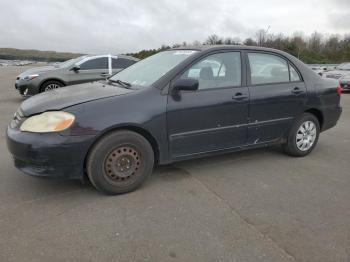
[74, 71]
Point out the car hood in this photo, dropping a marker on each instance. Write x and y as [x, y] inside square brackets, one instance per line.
[38, 70]
[69, 96]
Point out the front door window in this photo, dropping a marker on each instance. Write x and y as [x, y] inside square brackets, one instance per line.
[217, 71]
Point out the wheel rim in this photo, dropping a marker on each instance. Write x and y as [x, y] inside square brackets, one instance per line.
[306, 136]
[122, 165]
[51, 87]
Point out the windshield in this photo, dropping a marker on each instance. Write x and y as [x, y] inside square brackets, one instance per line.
[149, 70]
[69, 62]
[344, 66]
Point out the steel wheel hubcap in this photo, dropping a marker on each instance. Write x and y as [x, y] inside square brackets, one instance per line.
[51, 87]
[306, 135]
[122, 164]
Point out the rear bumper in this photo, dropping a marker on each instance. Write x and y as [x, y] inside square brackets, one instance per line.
[49, 154]
[330, 117]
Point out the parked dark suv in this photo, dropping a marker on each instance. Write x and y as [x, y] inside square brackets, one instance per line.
[74, 71]
[175, 105]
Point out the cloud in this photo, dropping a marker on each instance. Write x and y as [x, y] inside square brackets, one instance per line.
[109, 26]
[338, 16]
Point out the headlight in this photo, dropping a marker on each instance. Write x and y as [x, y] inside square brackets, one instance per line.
[53, 121]
[30, 77]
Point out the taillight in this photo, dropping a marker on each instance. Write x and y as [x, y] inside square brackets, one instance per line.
[339, 89]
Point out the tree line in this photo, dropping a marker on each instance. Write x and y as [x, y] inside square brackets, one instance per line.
[316, 48]
[35, 55]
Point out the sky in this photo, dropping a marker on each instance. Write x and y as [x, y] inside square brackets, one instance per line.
[122, 26]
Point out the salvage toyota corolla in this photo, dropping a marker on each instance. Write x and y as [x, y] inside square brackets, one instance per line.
[175, 105]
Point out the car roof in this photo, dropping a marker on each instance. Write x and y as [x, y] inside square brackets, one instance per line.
[226, 47]
[113, 56]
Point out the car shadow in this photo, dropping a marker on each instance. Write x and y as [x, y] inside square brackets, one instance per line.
[216, 159]
[164, 173]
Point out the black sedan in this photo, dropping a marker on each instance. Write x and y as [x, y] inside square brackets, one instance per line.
[175, 105]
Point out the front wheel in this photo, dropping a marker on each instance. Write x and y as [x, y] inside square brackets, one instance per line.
[50, 85]
[303, 137]
[120, 162]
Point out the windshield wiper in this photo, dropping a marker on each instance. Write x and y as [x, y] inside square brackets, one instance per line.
[120, 82]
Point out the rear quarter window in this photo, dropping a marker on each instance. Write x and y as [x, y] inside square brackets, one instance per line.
[122, 63]
[294, 75]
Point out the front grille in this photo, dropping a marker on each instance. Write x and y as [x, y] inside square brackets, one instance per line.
[18, 114]
[17, 118]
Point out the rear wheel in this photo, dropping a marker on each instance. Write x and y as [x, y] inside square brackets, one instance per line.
[120, 162]
[50, 85]
[303, 136]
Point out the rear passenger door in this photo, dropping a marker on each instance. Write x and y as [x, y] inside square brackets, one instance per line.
[90, 70]
[119, 64]
[277, 96]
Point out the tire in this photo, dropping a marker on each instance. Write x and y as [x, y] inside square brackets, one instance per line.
[299, 143]
[120, 162]
[50, 85]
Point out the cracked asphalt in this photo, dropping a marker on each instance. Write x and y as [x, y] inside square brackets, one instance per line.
[257, 205]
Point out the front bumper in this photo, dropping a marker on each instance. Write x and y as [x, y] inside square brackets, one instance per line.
[48, 154]
[27, 88]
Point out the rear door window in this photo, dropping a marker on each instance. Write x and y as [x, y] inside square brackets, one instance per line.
[267, 68]
[96, 63]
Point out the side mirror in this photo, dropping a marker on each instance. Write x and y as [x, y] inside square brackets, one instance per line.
[186, 84]
[75, 68]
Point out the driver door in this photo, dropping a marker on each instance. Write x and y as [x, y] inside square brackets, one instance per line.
[215, 116]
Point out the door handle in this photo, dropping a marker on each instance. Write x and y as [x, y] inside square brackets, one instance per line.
[297, 91]
[239, 96]
[104, 74]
